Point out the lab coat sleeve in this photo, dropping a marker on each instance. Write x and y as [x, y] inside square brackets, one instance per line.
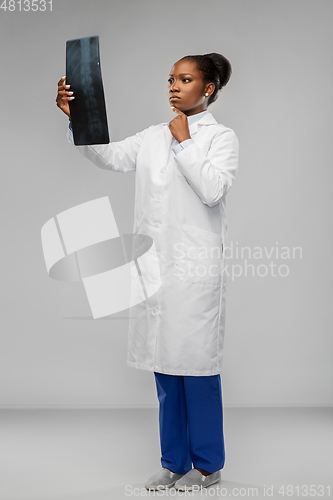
[118, 156]
[179, 147]
[211, 175]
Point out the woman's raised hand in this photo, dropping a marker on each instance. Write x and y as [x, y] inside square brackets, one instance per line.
[179, 126]
[64, 95]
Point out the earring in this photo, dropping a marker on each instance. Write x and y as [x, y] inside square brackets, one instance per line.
[206, 94]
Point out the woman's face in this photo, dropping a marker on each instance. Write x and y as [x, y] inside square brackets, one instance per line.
[185, 83]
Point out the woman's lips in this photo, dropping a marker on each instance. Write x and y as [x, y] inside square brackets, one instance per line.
[172, 98]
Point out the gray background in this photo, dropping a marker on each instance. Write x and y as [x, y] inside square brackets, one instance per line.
[278, 344]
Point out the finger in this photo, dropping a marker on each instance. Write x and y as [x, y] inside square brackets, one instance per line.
[65, 92]
[62, 81]
[63, 87]
[178, 111]
[61, 84]
[67, 98]
[64, 98]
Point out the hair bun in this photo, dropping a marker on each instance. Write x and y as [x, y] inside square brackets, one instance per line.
[222, 66]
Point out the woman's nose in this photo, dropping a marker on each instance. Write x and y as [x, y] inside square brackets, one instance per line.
[174, 86]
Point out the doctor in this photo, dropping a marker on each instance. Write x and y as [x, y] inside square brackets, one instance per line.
[184, 169]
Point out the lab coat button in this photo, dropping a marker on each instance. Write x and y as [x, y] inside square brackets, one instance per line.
[156, 224]
[155, 310]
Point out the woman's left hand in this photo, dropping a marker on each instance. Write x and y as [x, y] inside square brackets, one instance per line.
[179, 126]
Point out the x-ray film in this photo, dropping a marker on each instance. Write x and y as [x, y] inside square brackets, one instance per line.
[84, 75]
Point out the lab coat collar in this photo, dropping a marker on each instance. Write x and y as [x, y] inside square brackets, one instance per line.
[206, 119]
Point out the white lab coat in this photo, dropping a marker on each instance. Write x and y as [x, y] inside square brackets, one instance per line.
[180, 202]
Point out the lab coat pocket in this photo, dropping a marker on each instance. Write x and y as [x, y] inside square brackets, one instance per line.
[199, 256]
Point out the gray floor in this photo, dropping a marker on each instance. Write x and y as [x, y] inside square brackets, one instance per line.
[108, 454]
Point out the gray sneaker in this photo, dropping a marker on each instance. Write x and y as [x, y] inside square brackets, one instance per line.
[162, 480]
[195, 480]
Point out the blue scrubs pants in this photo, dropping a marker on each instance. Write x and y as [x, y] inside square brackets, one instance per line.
[190, 422]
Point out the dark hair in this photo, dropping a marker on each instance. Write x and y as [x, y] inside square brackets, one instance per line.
[214, 68]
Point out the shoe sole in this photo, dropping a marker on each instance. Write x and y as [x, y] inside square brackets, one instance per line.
[189, 488]
[159, 487]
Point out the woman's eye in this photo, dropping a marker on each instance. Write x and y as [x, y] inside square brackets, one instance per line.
[184, 80]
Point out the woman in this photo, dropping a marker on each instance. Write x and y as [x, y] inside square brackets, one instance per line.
[184, 170]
